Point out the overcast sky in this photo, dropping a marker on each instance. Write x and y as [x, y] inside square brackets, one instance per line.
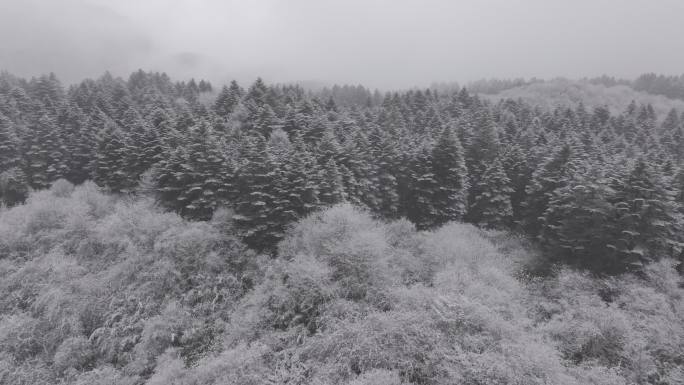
[378, 43]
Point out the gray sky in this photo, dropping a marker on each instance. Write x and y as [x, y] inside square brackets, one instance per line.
[378, 43]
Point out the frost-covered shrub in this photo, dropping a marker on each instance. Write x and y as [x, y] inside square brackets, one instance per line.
[74, 352]
[102, 290]
[403, 341]
[158, 334]
[242, 365]
[98, 203]
[292, 293]
[631, 323]
[18, 337]
[62, 188]
[105, 375]
[351, 243]
[377, 377]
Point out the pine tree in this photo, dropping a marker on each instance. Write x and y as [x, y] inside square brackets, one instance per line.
[423, 186]
[79, 141]
[300, 186]
[45, 154]
[385, 197]
[256, 196]
[451, 176]
[10, 155]
[519, 171]
[196, 177]
[492, 207]
[578, 225]
[143, 146]
[48, 91]
[211, 182]
[227, 99]
[332, 187]
[13, 181]
[482, 148]
[552, 174]
[647, 218]
[110, 160]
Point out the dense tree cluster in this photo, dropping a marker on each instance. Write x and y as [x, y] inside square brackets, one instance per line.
[670, 86]
[596, 189]
[100, 289]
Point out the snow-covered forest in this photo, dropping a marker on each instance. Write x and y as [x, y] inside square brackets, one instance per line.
[596, 190]
[177, 232]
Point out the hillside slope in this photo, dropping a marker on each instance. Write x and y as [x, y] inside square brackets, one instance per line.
[103, 290]
[567, 93]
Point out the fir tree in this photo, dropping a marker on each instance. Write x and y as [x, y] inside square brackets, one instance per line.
[13, 181]
[256, 197]
[492, 207]
[332, 187]
[227, 99]
[195, 178]
[578, 225]
[423, 186]
[451, 178]
[45, 154]
[552, 174]
[385, 197]
[110, 161]
[10, 155]
[647, 221]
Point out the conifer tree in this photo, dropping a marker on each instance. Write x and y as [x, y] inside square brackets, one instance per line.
[482, 148]
[647, 219]
[423, 186]
[300, 184]
[13, 181]
[227, 99]
[385, 197]
[45, 154]
[110, 160]
[256, 196]
[332, 187]
[10, 155]
[492, 208]
[552, 174]
[195, 178]
[79, 140]
[451, 177]
[519, 171]
[578, 225]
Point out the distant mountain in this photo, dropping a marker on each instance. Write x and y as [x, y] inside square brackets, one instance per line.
[562, 92]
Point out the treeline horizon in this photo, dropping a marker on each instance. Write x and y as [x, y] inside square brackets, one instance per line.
[597, 190]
